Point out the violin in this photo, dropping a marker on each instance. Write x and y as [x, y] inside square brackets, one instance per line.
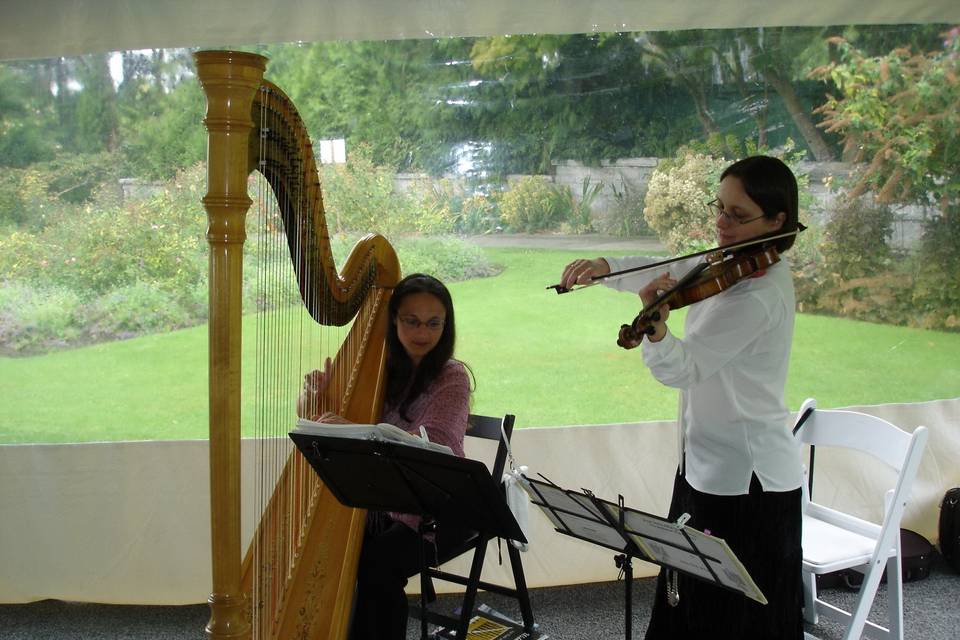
[720, 251]
[717, 273]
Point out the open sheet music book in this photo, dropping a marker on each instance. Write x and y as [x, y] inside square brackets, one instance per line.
[642, 535]
[382, 432]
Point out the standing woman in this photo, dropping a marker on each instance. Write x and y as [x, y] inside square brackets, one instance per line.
[426, 387]
[740, 471]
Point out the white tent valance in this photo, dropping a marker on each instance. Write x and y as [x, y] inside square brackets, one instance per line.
[48, 28]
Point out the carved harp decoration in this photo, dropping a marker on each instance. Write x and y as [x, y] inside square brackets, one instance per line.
[296, 578]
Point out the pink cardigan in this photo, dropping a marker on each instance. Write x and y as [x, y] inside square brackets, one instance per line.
[442, 410]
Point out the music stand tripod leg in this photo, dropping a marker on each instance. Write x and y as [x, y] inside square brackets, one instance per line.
[625, 565]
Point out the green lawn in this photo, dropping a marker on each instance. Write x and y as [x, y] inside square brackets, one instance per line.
[550, 359]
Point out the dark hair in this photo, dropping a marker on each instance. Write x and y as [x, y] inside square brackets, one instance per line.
[404, 381]
[770, 183]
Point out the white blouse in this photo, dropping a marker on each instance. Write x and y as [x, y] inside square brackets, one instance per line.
[731, 370]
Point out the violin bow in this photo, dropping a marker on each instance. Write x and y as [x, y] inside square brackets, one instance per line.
[724, 250]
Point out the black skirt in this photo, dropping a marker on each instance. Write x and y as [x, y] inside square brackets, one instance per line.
[763, 529]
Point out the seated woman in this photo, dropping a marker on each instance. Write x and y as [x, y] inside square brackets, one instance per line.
[426, 387]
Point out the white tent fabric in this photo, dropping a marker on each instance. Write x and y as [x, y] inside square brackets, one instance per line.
[129, 522]
[48, 28]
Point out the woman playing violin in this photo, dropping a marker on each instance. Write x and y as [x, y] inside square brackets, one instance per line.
[740, 473]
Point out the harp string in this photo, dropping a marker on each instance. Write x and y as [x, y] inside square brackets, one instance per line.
[289, 342]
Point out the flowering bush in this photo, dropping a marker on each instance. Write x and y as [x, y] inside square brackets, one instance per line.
[674, 206]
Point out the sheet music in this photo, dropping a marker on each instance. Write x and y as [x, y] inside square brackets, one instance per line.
[649, 526]
[562, 500]
[600, 533]
[382, 432]
[575, 515]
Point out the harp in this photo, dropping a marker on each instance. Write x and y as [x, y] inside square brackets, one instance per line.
[296, 579]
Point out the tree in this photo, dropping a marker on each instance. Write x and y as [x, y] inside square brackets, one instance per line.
[899, 114]
[95, 108]
[778, 54]
[389, 95]
[688, 57]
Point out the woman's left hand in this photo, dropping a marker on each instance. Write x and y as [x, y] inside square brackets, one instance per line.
[650, 293]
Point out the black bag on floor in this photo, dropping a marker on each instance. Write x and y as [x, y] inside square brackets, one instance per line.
[950, 528]
[916, 556]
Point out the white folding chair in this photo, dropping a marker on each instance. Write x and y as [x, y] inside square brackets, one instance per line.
[833, 540]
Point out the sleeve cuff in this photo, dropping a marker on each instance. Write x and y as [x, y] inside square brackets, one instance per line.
[657, 352]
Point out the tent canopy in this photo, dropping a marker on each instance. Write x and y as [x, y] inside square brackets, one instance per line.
[48, 28]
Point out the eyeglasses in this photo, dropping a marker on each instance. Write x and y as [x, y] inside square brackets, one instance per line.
[413, 323]
[717, 210]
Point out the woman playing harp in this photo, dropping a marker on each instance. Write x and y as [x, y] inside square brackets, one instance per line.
[296, 579]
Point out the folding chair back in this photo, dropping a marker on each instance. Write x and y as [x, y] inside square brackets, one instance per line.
[833, 540]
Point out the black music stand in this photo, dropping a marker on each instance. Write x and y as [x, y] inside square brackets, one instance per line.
[636, 534]
[388, 476]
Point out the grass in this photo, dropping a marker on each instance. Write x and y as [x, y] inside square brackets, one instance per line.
[550, 359]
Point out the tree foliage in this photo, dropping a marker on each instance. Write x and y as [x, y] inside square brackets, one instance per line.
[900, 114]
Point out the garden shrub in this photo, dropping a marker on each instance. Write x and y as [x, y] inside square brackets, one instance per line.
[856, 239]
[935, 301]
[466, 212]
[580, 216]
[479, 214]
[357, 195]
[36, 320]
[428, 207]
[446, 257]
[856, 274]
[31, 197]
[360, 196]
[134, 309]
[534, 204]
[624, 218]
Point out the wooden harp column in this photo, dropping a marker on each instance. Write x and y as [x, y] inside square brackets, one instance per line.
[312, 591]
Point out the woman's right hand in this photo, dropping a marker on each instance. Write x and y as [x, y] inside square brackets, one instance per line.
[317, 381]
[581, 271]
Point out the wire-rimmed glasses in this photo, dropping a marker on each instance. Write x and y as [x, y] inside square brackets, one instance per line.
[717, 209]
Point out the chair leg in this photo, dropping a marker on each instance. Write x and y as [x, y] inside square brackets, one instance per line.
[810, 598]
[868, 590]
[895, 597]
[520, 583]
[470, 595]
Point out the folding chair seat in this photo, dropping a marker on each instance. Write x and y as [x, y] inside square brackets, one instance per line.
[833, 540]
[499, 430]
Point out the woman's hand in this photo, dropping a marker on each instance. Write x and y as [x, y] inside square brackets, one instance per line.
[329, 417]
[649, 294]
[315, 386]
[316, 382]
[581, 271]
